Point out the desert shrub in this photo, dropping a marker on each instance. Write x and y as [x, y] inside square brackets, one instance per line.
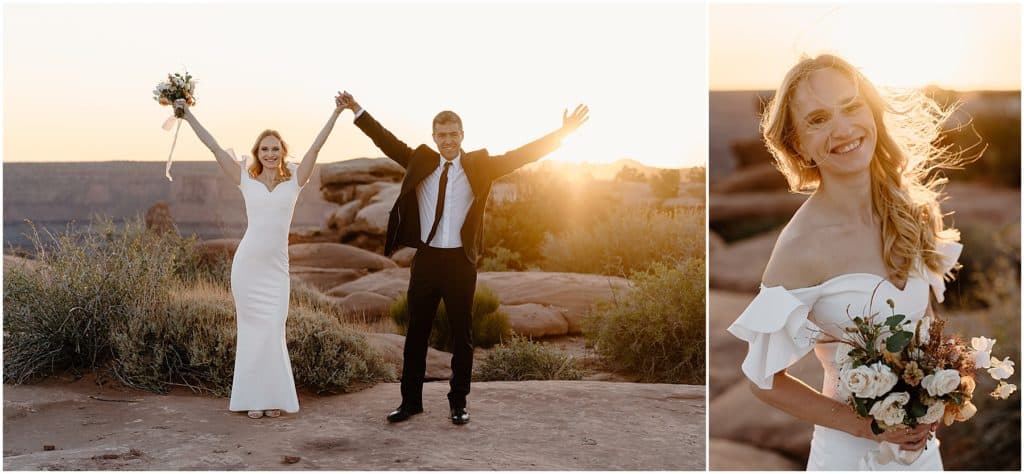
[545, 203]
[522, 359]
[329, 357]
[490, 325]
[628, 173]
[193, 344]
[665, 184]
[627, 240]
[985, 246]
[696, 174]
[125, 298]
[308, 296]
[656, 330]
[60, 318]
[501, 259]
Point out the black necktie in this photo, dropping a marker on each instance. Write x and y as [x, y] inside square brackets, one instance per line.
[441, 187]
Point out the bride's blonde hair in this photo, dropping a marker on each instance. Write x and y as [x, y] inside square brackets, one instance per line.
[904, 192]
[283, 173]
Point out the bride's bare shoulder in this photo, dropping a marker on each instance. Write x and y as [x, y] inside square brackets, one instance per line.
[799, 253]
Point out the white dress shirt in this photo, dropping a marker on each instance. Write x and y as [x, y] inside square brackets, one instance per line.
[457, 200]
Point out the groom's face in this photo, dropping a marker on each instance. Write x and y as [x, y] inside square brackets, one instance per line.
[448, 138]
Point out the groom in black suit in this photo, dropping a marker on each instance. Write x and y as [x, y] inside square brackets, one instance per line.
[439, 212]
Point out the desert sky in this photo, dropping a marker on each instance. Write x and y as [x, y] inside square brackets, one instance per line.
[78, 78]
[961, 46]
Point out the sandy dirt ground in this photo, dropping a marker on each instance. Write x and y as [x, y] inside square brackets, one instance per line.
[543, 425]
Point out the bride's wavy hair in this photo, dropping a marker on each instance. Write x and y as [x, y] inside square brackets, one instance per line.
[905, 191]
[283, 173]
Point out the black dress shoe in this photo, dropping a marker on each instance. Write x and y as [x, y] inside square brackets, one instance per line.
[402, 414]
[460, 416]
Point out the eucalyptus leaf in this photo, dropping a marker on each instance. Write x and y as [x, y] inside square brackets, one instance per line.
[898, 341]
[894, 320]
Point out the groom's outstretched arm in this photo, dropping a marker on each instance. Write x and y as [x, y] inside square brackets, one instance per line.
[391, 146]
[504, 164]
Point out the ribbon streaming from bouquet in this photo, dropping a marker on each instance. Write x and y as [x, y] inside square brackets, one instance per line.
[167, 126]
[887, 453]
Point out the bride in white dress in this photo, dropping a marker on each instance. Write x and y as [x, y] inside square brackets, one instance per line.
[872, 221]
[263, 384]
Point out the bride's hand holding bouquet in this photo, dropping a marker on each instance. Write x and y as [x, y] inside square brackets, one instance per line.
[908, 377]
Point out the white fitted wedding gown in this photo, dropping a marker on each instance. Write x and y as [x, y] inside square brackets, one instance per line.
[260, 285]
[782, 325]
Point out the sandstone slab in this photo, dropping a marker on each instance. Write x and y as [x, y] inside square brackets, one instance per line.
[536, 320]
[360, 171]
[390, 347]
[725, 455]
[334, 255]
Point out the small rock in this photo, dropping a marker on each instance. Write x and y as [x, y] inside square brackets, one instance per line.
[49, 447]
[220, 451]
[290, 459]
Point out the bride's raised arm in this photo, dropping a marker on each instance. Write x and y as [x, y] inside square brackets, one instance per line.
[227, 164]
[305, 169]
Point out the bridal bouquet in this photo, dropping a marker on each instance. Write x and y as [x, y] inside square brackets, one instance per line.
[176, 87]
[904, 374]
[176, 90]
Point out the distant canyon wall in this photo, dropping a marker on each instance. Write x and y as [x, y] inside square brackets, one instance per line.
[201, 198]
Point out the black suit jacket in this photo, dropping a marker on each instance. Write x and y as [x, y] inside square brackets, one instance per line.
[481, 170]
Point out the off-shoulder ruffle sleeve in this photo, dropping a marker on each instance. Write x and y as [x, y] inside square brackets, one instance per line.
[778, 332]
[950, 253]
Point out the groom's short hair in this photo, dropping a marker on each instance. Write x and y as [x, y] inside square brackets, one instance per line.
[447, 116]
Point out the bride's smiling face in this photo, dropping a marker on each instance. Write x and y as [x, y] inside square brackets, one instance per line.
[833, 122]
[270, 152]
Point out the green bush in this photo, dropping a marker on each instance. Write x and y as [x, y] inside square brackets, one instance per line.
[328, 357]
[490, 326]
[545, 203]
[193, 344]
[501, 259]
[627, 240]
[522, 359]
[189, 343]
[665, 184]
[126, 299]
[985, 247]
[656, 331]
[60, 317]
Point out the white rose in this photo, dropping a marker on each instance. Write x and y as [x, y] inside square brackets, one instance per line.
[870, 381]
[859, 381]
[1001, 369]
[890, 410]
[1004, 390]
[935, 412]
[885, 379]
[982, 351]
[941, 382]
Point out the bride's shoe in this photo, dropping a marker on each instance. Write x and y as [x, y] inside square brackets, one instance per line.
[272, 413]
[255, 414]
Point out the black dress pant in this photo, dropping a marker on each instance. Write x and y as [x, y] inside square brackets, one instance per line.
[439, 274]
